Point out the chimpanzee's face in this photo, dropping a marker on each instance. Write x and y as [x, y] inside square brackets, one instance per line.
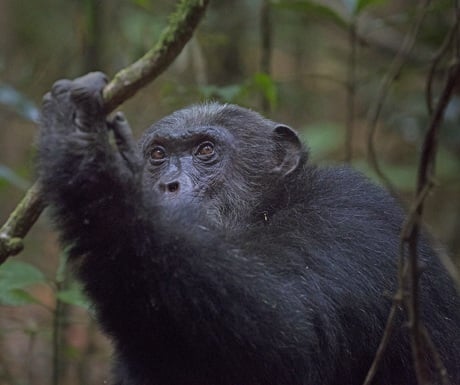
[187, 165]
[222, 159]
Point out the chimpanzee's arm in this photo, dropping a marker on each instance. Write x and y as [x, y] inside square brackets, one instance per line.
[92, 187]
[94, 193]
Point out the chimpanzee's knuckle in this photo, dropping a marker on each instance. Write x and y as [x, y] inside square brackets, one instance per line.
[120, 118]
[99, 78]
[83, 137]
[88, 103]
[121, 124]
[47, 102]
[90, 84]
[60, 87]
[46, 98]
[88, 119]
[82, 94]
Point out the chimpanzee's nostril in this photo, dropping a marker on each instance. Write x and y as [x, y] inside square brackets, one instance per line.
[172, 187]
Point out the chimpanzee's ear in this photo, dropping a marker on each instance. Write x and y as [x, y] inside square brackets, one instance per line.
[289, 149]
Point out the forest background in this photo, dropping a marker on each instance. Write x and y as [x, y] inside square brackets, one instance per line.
[353, 77]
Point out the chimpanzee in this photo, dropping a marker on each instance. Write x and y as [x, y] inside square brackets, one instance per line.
[216, 254]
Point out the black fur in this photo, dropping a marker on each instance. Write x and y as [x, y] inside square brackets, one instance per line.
[236, 264]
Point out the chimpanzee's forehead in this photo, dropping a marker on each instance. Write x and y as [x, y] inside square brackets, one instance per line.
[185, 132]
[211, 119]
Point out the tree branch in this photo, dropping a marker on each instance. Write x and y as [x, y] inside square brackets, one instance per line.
[425, 174]
[392, 74]
[125, 84]
[173, 38]
[408, 271]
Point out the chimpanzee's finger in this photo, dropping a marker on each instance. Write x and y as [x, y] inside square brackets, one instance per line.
[124, 140]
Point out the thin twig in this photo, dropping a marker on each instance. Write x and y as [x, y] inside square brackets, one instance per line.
[409, 233]
[266, 46]
[56, 338]
[397, 299]
[390, 77]
[440, 368]
[389, 326]
[436, 59]
[351, 90]
[425, 175]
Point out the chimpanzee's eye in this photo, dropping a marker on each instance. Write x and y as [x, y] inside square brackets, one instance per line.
[157, 154]
[205, 150]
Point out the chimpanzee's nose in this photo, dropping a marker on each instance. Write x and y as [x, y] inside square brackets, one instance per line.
[169, 188]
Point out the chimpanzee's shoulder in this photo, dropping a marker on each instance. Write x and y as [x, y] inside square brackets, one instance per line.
[343, 187]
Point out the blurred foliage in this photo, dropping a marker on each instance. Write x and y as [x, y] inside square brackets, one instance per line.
[8, 176]
[15, 277]
[259, 84]
[307, 87]
[18, 102]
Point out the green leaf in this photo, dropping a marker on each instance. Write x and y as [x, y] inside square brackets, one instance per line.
[312, 8]
[16, 276]
[74, 296]
[268, 87]
[17, 297]
[225, 94]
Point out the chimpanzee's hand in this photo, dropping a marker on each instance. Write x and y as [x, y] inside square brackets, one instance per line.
[75, 106]
[74, 130]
